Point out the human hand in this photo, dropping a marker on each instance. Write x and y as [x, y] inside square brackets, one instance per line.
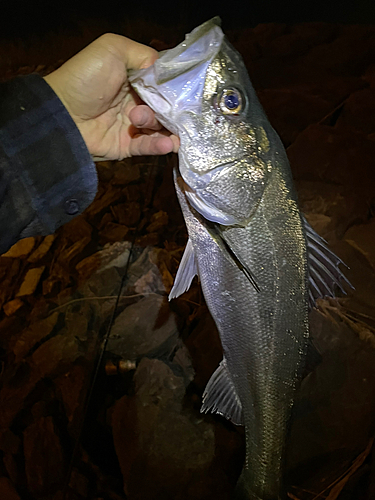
[94, 88]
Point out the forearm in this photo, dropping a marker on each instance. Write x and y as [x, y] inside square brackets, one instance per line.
[47, 175]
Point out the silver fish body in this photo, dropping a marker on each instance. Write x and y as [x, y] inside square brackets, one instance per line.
[247, 242]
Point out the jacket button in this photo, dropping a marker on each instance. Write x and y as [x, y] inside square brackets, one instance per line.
[71, 207]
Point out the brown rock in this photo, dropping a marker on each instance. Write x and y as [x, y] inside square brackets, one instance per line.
[125, 172]
[113, 232]
[167, 450]
[103, 200]
[7, 490]
[289, 44]
[21, 248]
[340, 157]
[107, 217]
[30, 281]
[144, 329]
[106, 264]
[12, 306]
[158, 221]
[358, 112]
[73, 251]
[32, 335]
[127, 214]
[44, 462]
[71, 387]
[132, 192]
[290, 111]
[42, 249]
[362, 238]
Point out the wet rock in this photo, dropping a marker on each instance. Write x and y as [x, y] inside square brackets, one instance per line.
[20, 249]
[144, 276]
[358, 112]
[125, 171]
[330, 209]
[32, 336]
[104, 269]
[71, 387]
[170, 450]
[127, 214]
[205, 348]
[146, 328]
[113, 232]
[290, 111]
[42, 249]
[12, 306]
[31, 281]
[362, 237]
[336, 402]
[44, 461]
[158, 220]
[340, 157]
[7, 490]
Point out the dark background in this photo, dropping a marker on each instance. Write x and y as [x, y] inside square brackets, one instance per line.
[20, 18]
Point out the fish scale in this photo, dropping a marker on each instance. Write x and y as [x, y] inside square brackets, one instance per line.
[259, 262]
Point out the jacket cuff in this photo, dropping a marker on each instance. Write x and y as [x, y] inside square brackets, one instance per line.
[47, 174]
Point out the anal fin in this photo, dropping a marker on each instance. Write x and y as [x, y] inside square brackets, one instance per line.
[220, 396]
[186, 272]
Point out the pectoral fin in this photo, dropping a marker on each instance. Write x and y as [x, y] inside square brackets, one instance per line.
[323, 267]
[186, 272]
[220, 396]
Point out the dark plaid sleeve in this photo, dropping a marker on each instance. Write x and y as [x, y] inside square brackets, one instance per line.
[47, 176]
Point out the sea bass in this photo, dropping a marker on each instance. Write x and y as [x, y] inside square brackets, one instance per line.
[259, 263]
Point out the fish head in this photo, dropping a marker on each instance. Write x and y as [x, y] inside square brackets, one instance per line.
[200, 91]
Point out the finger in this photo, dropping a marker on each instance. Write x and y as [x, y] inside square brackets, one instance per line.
[134, 54]
[143, 117]
[149, 145]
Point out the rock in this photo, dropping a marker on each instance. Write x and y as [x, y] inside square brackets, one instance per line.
[290, 111]
[12, 306]
[146, 328]
[44, 462]
[32, 336]
[71, 387]
[336, 403]
[128, 213]
[125, 172]
[30, 281]
[113, 232]
[104, 268]
[42, 249]
[340, 157]
[74, 251]
[7, 490]
[170, 450]
[103, 200]
[49, 360]
[287, 45]
[158, 220]
[358, 112]
[21, 248]
[362, 238]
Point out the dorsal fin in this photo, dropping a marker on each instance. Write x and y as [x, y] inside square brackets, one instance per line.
[221, 397]
[323, 267]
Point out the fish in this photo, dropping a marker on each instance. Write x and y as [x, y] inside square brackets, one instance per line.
[260, 264]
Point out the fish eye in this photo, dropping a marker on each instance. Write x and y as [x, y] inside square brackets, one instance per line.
[230, 101]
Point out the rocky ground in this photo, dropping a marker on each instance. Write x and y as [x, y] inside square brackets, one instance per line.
[137, 432]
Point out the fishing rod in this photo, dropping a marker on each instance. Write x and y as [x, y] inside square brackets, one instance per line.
[103, 347]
